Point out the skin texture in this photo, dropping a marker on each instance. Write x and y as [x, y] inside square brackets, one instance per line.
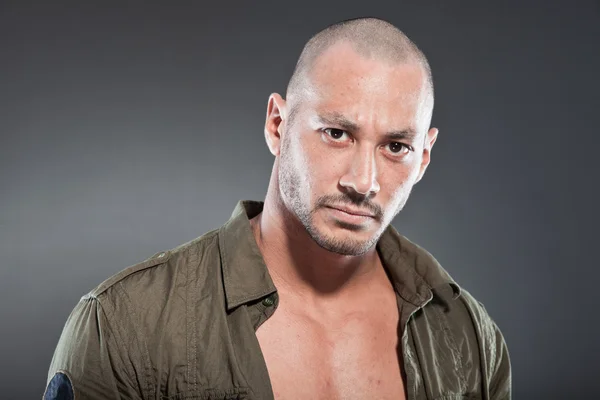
[337, 311]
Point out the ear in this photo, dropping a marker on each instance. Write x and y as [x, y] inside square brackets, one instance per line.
[429, 141]
[276, 115]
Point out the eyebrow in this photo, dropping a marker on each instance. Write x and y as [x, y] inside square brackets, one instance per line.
[335, 118]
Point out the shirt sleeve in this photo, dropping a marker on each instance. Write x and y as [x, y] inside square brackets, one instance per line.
[90, 360]
[493, 352]
[496, 369]
[499, 369]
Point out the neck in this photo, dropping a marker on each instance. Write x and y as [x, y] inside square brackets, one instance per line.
[298, 264]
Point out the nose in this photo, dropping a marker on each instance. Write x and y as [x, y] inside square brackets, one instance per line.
[361, 176]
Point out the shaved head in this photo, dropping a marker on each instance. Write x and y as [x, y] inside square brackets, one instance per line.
[353, 132]
[372, 38]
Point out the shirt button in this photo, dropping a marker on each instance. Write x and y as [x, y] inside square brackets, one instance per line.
[269, 301]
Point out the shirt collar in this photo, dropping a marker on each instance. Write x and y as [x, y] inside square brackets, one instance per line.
[414, 273]
[245, 275]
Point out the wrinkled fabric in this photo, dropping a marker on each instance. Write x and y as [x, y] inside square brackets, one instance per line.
[181, 325]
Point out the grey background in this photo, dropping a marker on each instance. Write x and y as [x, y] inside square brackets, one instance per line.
[128, 129]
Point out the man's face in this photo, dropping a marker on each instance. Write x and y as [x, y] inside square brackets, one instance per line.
[357, 144]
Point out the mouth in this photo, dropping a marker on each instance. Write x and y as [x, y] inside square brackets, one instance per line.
[353, 211]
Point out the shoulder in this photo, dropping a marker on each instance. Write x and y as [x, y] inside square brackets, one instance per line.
[157, 270]
[476, 310]
[493, 350]
[115, 330]
[492, 343]
[491, 340]
[139, 296]
[464, 314]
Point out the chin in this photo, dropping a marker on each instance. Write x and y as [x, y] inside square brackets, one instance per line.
[345, 246]
[349, 241]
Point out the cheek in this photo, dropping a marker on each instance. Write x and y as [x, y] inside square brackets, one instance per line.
[296, 157]
[396, 184]
[395, 189]
[320, 165]
[304, 165]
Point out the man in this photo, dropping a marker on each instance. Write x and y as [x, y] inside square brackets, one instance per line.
[313, 294]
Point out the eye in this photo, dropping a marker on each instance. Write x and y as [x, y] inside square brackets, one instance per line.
[398, 148]
[335, 134]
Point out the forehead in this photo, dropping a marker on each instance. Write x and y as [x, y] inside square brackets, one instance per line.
[363, 88]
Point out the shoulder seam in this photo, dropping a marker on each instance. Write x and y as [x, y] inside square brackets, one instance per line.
[156, 260]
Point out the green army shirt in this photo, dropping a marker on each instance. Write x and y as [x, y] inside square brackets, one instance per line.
[181, 325]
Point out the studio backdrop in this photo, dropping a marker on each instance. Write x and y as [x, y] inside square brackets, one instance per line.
[129, 128]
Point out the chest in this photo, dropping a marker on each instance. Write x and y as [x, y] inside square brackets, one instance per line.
[354, 357]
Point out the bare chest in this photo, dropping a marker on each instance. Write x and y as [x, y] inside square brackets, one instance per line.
[355, 357]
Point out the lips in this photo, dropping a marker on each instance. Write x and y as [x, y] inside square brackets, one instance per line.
[353, 211]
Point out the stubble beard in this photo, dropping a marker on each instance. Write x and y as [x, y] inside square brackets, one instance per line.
[290, 189]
